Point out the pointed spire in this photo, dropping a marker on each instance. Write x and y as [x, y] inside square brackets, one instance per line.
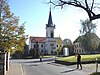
[50, 23]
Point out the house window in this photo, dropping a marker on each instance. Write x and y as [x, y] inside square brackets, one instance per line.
[74, 46]
[77, 45]
[75, 51]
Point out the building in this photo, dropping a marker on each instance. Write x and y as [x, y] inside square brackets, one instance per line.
[48, 44]
[78, 48]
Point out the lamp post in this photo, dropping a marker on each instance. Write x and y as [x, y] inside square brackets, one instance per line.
[96, 65]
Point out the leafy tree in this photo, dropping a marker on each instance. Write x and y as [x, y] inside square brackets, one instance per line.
[37, 51]
[68, 43]
[59, 43]
[90, 6]
[89, 40]
[59, 50]
[26, 49]
[12, 35]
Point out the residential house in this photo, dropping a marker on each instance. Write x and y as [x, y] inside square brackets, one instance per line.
[78, 48]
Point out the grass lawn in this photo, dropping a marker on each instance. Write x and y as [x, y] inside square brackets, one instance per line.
[83, 58]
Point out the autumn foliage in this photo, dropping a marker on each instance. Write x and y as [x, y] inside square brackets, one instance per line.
[12, 35]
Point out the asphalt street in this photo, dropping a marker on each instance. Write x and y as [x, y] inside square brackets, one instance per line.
[48, 67]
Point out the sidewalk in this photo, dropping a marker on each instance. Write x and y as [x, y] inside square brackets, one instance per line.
[15, 69]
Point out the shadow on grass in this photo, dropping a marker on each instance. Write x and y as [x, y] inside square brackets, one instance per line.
[69, 71]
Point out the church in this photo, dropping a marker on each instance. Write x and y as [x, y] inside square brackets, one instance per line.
[48, 44]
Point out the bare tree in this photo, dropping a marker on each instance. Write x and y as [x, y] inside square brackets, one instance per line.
[90, 6]
[87, 27]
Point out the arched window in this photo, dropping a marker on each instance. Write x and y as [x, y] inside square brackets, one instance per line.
[52, 34]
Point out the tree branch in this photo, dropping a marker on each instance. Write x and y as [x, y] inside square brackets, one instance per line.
[92, 5]
[95, 17]
[86, 4]
[76, 3]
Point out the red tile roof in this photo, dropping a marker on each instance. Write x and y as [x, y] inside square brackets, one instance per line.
[38, 39]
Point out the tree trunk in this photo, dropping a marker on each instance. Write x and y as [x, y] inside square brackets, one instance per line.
[7, 61]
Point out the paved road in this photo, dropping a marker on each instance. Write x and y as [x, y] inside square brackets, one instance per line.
[47, 67]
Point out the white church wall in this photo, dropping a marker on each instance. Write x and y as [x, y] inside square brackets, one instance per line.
[31, 45]
[49, 30]
[50, 45]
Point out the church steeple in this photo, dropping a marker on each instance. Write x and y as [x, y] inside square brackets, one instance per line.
[50, 26]
[50, 22]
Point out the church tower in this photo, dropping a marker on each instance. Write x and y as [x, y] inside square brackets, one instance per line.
[50, 27]
[50, 45]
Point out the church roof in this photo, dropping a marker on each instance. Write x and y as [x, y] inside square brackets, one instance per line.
[38, 39]
[42, 39]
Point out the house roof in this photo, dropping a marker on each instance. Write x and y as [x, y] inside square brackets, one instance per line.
[78, 39]
[93, 35]
[38, 39]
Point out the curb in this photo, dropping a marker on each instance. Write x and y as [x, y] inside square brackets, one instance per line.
[73, 63]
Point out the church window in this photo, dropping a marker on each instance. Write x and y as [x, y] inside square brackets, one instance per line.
[57, 45]
[52, 35]
[54, 48]
[51, 44]
[42, 45]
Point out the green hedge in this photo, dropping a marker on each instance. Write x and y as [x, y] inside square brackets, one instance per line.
[84, 58]
[71, 60]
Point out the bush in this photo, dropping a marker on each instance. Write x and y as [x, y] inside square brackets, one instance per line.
[85, 58]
